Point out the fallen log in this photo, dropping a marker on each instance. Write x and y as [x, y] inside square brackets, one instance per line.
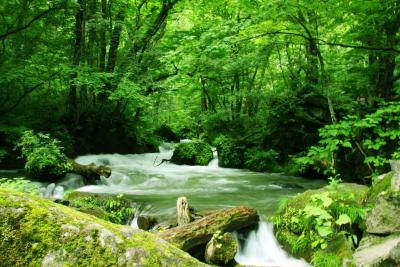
[91, 172]
[201, 231]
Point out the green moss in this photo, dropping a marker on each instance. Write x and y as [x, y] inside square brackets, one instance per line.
[299, 232]
[192, 153]
[323, 259]
[379, 186]
[35, 232]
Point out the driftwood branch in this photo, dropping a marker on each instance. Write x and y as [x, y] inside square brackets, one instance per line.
[91, 172]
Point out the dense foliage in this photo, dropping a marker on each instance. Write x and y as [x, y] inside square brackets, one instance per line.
[370, 142]
[114, 209]
[108, 76]
[192, 153]
[43, 155]
[21, 185]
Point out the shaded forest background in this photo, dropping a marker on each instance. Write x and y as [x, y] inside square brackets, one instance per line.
[305, 87]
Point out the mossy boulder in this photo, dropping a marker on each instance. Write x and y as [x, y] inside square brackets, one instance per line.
[381, 184]
[384, 218]
[288, 233]
[192, 153]
[39, 232]
[221, 249]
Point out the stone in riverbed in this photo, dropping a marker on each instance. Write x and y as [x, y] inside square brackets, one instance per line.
[377, 251]
[221, 249]
[384, 218]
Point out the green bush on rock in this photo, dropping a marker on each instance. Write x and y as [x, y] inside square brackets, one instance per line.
[230, 153]
[192, 153]
[323, 221]
[39, 232]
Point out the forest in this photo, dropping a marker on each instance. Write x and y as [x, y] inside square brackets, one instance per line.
[304, 89]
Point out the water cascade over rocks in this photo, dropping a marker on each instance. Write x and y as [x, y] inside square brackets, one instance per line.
[262, 249]
[148, 180]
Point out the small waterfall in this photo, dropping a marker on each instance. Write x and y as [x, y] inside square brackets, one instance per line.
[52, 191]
[134, 222]
[214, 162]
[262, 249]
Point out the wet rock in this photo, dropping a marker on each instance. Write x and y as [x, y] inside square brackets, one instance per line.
[221, 249]
[145, 222]
[384, 218]
[378, 251]
[395, 165]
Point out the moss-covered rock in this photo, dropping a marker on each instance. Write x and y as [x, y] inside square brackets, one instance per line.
[221, 249]
[381, 184]
[384, 218]
[39, 232]
[192, 153]
[289, 229]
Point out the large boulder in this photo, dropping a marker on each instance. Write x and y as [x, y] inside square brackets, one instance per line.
[288, 232]
[378, 251]
[384, 218]
[192, 153]
[221, 249]
[39, 232]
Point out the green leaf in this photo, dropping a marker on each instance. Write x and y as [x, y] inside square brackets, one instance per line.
[343, 219]
[324, 230]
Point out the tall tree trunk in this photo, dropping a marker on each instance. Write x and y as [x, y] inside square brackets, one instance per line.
[78, 53]
[114, 42]
[102, 36]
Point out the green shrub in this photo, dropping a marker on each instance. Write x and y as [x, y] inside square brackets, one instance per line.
[261, 161]
[44, 157]
[21, 185]
[114, 209]
[370, 141]
[192, 153]
[230, 153]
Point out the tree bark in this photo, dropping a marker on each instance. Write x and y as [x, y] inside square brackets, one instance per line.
[183, 212]
[201, 231]
[78, 53]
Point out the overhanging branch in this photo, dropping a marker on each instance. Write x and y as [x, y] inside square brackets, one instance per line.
[324, 42]
[24, 27]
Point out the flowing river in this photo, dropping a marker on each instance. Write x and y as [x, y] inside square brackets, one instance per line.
[157, 185]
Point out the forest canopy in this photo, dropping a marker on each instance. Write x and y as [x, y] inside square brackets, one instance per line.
[305, 87]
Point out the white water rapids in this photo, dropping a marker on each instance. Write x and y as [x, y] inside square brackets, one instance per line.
[156, 186]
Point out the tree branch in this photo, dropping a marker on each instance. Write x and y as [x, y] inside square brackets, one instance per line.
[324, 42]
[24, 27]
[24, 94]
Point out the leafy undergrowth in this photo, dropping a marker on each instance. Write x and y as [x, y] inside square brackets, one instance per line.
[327, 222]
